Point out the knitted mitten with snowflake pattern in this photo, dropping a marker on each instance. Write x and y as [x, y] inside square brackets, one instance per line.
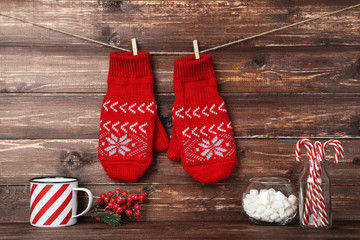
[202, 135]
[129, 128]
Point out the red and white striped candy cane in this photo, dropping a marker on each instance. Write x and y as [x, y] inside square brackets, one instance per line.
[309, 147]
[339, 150]
[339, 154]
[306, 217]
[320, 194]
[309, 190]
[314, 191]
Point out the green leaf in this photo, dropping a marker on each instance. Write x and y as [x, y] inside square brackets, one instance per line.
[108, 217]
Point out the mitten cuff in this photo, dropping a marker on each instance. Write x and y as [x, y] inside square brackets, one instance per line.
[190, 69]
[126, 65]
[131, 76]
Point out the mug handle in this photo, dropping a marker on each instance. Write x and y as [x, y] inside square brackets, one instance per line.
[89, 203]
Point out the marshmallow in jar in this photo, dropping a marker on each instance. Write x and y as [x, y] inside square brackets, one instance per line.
[270, 200]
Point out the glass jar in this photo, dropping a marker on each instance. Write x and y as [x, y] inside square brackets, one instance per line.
[270, 201]
[305, 183]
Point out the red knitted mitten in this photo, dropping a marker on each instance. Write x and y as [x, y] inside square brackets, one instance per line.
[129, 121]
[202, 135]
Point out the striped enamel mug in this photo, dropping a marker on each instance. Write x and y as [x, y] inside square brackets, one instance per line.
[53, 201]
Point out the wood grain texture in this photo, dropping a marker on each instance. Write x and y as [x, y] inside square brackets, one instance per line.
[77, 116]
[179, 230]
[22, 160]
[239, 70]
[194, 202]
[211, 22]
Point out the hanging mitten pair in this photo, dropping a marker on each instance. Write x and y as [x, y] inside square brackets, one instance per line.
[130, 129]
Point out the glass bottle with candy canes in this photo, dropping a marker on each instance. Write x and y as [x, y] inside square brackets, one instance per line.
[315, 188]
[312, 213]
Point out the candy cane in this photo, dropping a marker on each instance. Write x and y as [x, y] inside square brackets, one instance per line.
[320, 201]
[339, 154]
[313, 191]
[309, 146]
[309, 193]
[339, 150]
[306, 216]
[320, 196]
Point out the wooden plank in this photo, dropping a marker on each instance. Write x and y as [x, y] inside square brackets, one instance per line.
[216, 202]
[239, 70]
[179, 230]
[74, 116]
[211, 22]
[21, 160]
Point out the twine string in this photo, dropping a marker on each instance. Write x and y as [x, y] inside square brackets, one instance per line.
[183, 53]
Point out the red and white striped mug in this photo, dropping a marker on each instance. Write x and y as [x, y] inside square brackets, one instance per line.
[53, 201]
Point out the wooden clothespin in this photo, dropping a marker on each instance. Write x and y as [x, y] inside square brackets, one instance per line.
[134, 46]
[196, 49]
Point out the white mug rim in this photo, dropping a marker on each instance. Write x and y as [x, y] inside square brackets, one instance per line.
[53, 180]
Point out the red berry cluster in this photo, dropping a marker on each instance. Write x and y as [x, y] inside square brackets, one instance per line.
[121, 203]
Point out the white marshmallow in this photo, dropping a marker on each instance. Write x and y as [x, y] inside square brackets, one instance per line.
[274, 216]
[256, 216]
[247, 196]
[253, 198]
[271, 191]
[249, 213]
[252, 210]
[263, 190]
[264, 218]
[264, 198]
[260, 210]
[256, 204]
[268, 212]
[289, 212]
[286, 203]
[272, 197]
[277, 204]
[254, 192]
[283, 216]
[294, 207]
[278, 219]
[247, 201]
[281, 211]
[292, 199]
[279, 195]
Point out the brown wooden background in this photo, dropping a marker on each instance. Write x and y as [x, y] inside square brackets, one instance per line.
[300, 82]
